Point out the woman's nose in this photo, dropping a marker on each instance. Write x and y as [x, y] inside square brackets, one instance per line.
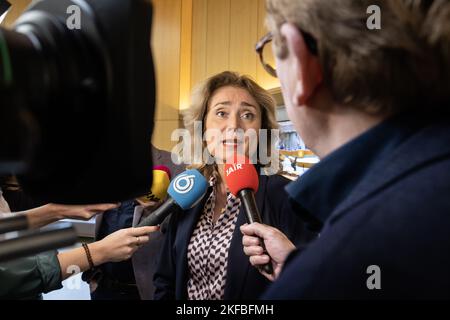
[233, 122]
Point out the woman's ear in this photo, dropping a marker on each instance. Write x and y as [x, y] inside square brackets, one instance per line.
[305, 65]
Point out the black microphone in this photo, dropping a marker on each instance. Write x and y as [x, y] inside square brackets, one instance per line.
[242, 181]
[184, 191]
[54, 237]
[14, 223]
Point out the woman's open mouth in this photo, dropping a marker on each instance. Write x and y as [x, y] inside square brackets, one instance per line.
[231, 143]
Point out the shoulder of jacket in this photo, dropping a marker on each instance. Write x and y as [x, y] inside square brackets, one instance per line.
[276, 181]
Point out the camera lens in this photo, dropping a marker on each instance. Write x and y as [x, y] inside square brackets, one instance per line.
[57, 80]
[79, 101]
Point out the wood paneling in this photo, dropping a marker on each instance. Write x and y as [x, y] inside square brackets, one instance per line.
[166, 36]
[214, 36]
[224, 34]
[243, 32]
[199, 43]
[166, 46]
[217, 36]
[17, 7]
[186, 53]
[162, 132]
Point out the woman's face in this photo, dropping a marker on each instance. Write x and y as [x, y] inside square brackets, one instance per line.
[234, 119]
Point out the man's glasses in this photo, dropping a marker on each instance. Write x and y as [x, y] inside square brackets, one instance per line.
[311, 43]
[260, 50]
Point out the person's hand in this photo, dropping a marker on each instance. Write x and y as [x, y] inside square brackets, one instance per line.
[278, 246]
[120, 245]
[49, 213]
[80, 212]
[148, 204]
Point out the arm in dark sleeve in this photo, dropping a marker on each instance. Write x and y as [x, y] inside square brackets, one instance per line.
[164, 278]
[28, 277]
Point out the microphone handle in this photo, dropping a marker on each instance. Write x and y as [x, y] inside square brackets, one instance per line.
[58, 236]
[14, 223]
[248, 200]
[157, 217]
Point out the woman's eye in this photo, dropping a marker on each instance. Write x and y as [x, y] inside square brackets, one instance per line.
[220, 114]
[248, 116]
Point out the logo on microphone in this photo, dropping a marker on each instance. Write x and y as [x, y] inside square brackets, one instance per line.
[184, 183]
[233, 168]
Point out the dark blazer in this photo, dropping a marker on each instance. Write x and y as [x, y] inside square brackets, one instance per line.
[397, 218]
[243, 280]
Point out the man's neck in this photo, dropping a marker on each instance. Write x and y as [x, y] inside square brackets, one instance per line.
[342, 128]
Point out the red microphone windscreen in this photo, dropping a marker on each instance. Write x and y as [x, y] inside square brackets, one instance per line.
[163, 168]
[240, 175]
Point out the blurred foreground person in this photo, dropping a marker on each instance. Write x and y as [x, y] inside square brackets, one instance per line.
[374, 104]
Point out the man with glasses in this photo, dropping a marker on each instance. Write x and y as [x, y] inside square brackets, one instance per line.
[374, 105]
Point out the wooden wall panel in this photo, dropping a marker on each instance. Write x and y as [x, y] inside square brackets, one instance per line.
[199, 43]
[17, 7]
[243, 33]
[224, 33]
[162, 132]
[166, 53]
[186, 53]
[166, 46]
[218, 36]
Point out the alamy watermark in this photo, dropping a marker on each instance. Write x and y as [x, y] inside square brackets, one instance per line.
[374, 280]
[73, 22]
[73, 283]
[374, 20]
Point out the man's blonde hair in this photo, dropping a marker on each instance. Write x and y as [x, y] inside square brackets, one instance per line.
[200, 99]
[403, 65]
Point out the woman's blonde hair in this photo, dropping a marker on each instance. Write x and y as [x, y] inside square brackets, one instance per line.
[200, 99]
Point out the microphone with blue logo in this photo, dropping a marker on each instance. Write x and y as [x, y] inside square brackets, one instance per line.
[185, 191]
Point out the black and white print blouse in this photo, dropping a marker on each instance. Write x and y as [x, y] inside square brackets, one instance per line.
[208, 249]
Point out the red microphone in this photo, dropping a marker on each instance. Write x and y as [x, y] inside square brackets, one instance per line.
[242, 181]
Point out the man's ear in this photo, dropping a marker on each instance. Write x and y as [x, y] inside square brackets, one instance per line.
[306, 66]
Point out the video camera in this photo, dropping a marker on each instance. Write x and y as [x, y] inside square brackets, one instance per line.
[77, 102]
[77, 92]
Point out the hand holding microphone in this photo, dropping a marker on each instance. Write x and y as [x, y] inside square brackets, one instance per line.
[277, 244]
[185, 191]
[120, 245]
[242, 180]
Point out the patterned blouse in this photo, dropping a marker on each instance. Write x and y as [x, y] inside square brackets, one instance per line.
[208, 249]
